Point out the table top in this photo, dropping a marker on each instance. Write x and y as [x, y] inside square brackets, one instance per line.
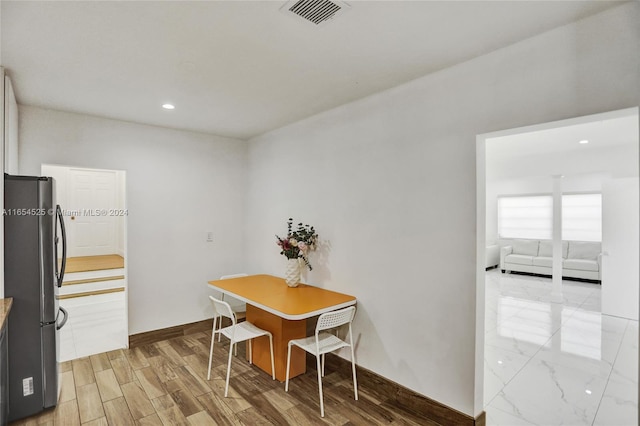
[273, 295]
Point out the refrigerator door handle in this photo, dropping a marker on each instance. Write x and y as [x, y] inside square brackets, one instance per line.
[64, 321]
[64, 246]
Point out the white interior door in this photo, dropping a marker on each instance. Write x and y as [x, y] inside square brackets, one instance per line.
[620, 229]
[91, 196]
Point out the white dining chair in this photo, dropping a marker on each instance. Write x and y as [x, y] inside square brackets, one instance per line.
[236, 333]
[323, 342]
[240, 311]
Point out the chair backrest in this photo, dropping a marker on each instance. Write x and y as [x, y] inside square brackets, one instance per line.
[335, 318]
[226, 277]
[222, 308]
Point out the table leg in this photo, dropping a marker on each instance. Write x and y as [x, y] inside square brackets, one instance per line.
[283, 330]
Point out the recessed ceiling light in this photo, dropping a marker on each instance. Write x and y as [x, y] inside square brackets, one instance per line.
[588, 392]
[583, 141]
[168, 106]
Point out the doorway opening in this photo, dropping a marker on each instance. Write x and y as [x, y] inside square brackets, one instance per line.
[553, 351]
[95, 286]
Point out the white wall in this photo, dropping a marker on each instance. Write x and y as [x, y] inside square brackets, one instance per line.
[389, 182]
[179, 186]
[620, 245]
[121, 197]
[59, 175]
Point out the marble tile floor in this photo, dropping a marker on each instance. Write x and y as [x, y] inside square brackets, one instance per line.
[551, 363]
[96, 324]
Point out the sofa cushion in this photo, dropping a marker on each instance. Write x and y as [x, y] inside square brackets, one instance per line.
[526, 247]
[520, 259]
[580, 264]
[543, 261]
[546, 248]
[584, 250]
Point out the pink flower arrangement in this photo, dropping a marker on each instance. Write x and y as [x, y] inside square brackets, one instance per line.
[298, 242]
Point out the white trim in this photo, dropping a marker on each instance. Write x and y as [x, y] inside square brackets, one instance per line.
[481, 214]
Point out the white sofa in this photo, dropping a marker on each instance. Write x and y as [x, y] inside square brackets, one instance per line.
[492, 256]
[580, 259]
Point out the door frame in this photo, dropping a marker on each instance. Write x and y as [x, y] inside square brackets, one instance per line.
[121, 190]
[481, 189]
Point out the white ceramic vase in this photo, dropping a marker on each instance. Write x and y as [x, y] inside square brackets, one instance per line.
[292, 274]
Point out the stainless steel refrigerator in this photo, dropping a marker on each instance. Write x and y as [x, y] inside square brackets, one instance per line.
[34, 263]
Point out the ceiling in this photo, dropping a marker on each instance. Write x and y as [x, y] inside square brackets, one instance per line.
[612, 148]
[241, 68]
[600, 134]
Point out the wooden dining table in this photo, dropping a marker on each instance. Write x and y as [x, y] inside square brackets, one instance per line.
[282, 310]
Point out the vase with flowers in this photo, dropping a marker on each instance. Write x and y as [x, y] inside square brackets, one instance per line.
[296, 246]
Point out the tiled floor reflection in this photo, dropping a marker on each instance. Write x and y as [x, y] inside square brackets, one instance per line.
[551, 363]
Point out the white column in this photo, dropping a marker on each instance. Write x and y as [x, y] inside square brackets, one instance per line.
[556, 290]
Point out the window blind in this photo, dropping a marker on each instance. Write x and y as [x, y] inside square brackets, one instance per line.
[582, 217]
[532, 217]
[525, 217]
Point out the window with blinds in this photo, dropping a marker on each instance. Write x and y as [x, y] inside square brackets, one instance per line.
[582, 217]
[532, 217]
[526, 217]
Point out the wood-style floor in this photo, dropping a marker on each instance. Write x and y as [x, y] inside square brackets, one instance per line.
[94, 263]
[164, 383]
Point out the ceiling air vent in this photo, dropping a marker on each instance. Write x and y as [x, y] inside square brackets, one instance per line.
[317, 12]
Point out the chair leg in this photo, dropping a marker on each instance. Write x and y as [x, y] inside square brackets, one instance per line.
[273, 366]
[320, 385]
[226, 387]
[355, 381]
[286, 383]
[213, 339]
[236, 348]
[220, 327]
[323, 365]
[353, 365]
